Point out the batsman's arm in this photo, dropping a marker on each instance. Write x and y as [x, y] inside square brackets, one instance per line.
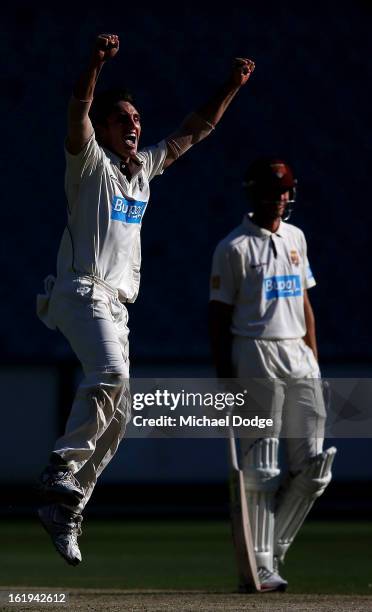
[310, 337]
[79, 126]
[199, 124]
[219, 323]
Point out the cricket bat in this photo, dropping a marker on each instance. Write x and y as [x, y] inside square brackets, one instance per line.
[241, 529]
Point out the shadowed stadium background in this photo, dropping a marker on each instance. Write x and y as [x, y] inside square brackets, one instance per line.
[307, 102]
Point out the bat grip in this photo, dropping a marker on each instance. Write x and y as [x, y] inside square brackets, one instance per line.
[232, 446]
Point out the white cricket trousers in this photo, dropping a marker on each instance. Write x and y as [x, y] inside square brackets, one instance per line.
[89, 314]
[285, 380]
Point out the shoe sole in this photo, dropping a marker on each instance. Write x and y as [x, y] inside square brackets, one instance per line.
[279, 589]
[45, 525]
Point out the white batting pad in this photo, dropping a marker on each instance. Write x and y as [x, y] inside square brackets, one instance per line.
[297, 498]
[261, 480]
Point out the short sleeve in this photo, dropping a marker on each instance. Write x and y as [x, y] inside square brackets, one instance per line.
[222, 282]
[79, 167]
[153, 159]
[307, 275]
[84, 162]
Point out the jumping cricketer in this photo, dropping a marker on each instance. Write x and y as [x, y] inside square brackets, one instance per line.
[98, 272]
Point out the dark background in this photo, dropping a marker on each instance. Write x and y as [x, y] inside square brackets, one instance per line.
[308, 101]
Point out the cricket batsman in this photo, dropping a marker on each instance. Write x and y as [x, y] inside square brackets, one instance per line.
[98, 272]
[262, 330]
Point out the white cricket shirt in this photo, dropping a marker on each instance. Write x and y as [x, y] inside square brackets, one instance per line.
[105, 212]
[264, 276]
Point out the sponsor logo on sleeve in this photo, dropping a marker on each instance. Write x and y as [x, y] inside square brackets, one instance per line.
[282, 286]
[216, 282]
[127, 211]
[309, 273]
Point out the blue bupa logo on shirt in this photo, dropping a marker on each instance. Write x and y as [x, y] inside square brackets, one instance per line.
[282, 286]
[127, 211]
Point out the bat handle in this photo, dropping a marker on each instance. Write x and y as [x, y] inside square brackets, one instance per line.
[232, 446]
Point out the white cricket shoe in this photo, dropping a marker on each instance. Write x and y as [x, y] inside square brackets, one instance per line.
[271, 581]
[59, 486]
[64, 527]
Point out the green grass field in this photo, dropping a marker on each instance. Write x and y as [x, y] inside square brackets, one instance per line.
[326, 557]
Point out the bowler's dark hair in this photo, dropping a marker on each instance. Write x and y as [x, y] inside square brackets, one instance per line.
[105, 103]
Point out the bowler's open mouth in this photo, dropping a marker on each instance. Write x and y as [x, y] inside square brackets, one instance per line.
[130, 139]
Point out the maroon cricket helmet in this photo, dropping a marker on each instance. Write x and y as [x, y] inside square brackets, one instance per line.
[267, 177]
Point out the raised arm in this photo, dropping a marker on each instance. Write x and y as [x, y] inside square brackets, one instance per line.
[199, 124]
[79, 128]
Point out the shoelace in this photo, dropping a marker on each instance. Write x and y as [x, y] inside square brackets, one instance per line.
[69, 477]
[72, 526]
[264, 573]
[78, 531]
[61, 476]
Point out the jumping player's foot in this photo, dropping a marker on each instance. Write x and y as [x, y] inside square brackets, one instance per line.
[64, 527]
[59, 485]
[271, 581]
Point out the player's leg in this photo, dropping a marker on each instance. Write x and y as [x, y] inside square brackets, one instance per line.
[259, 457]
[89, 326]
[87, 323]
[108, 443]
[309, 467]
[106, 448]
[297, 496]
[261, 479]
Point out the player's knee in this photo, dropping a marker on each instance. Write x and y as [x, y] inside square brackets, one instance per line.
[316, 475]
[260, 464]
[304, 453]
[118, 378]
[117, 382]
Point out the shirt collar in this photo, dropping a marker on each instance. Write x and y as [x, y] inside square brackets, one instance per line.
[135, 164]
[256, 230]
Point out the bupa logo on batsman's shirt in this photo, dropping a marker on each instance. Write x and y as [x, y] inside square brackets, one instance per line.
[127, 211]
[282, 286]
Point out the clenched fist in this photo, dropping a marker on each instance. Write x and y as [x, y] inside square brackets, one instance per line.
[242, 70]
[106, 46]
